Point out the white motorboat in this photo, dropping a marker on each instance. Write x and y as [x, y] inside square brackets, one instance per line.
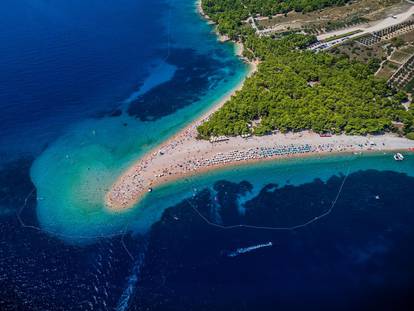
[398, 157]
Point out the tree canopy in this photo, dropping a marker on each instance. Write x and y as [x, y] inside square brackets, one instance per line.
[295, 89]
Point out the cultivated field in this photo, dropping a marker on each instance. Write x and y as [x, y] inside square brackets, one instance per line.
[390, 54]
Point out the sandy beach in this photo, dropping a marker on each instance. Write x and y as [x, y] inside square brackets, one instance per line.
[183, 155]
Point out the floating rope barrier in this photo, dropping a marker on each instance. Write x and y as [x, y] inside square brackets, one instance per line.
[287, 228]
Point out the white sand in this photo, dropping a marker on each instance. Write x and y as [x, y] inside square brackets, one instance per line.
[183, 155]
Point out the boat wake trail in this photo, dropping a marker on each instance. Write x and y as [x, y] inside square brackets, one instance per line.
[243, 250]
[132, 282]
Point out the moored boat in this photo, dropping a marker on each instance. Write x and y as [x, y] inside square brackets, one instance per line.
[398, 157]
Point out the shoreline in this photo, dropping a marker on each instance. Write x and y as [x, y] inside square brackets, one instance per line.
[204, 115]
[182, 155]
[280, 160]
[200, 11]
[192, 157]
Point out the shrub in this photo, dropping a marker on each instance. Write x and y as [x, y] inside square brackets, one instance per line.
[410, 135]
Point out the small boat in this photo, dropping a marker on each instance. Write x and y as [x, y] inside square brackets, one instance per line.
[398, 157]
[149, 189]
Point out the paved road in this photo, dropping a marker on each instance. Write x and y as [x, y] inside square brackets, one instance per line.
[371, 27]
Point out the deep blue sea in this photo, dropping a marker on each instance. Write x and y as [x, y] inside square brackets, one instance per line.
[87, 86]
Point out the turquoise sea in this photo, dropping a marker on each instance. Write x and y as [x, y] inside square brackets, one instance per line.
[89, 86]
